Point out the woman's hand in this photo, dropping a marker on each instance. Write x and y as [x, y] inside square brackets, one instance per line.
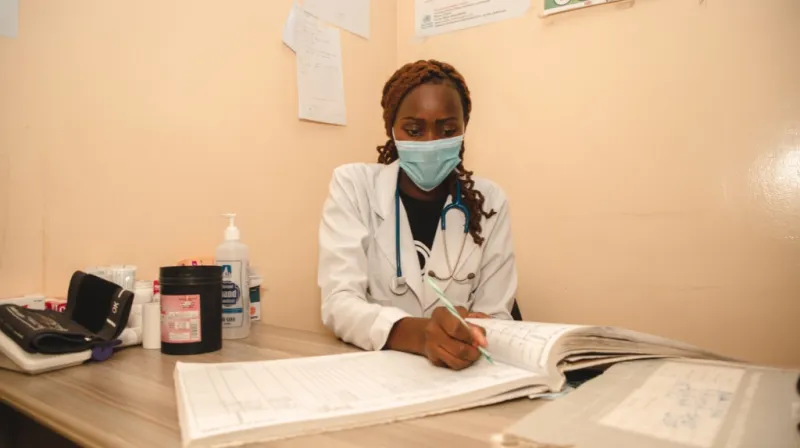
[474, 315]
[448, 343]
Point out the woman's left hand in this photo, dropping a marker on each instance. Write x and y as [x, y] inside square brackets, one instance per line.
[476, 315]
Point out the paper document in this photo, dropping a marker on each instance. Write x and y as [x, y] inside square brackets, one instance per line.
[9, 18]
[222, 398]
[443, 16]
[320, 82]
[682, 403]
[556, 6]
[290, 27]
[352, 15]
[669, 404]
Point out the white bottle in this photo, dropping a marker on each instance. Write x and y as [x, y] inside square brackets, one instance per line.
[234, 257]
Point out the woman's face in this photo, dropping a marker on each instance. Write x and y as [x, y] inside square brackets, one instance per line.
[430, 112]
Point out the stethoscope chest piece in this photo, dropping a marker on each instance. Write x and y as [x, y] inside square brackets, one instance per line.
[399, 286]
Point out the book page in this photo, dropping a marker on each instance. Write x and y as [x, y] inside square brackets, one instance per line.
[223, 398]
[527, 345]
[616, 336]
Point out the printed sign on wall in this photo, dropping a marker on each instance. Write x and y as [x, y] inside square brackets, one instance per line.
[556, 6]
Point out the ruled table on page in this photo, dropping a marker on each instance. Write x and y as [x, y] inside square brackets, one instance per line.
[225, 397]
[524, 344]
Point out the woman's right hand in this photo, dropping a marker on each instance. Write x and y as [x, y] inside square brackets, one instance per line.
[448, 343]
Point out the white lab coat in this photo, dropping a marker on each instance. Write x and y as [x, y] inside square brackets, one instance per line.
[357, 258]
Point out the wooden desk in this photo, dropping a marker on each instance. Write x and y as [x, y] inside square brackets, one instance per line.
[129, 400]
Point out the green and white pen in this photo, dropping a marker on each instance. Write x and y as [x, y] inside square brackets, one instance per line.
[454, 312]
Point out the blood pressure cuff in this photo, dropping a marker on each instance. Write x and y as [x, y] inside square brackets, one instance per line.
[43, 331]
[96, 313]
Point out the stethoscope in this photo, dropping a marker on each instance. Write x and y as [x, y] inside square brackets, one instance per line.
[398, 284]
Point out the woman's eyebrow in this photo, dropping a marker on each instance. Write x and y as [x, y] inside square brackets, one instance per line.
[438, 120]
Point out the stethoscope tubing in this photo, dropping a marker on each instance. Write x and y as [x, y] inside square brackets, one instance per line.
[399, 281]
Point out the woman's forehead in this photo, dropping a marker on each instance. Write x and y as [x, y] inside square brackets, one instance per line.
[431, 100]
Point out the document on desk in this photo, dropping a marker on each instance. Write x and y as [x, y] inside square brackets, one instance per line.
[351, 15]
[443, 16]
[320, 79]
[679, 402]
[670, 404]
[9, 18]
[260, 401]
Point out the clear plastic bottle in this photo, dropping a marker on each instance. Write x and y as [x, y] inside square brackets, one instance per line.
[234, 258]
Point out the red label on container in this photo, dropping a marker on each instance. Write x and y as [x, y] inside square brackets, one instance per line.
[180, 319]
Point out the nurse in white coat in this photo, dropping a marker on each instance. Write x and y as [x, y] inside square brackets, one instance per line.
[447, 225]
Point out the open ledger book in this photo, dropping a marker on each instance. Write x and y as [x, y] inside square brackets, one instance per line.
[239, 403]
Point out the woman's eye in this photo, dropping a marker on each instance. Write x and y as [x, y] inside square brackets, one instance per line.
[450, 132]
[413, 132]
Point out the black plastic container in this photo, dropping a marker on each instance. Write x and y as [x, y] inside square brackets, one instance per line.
[191, 309]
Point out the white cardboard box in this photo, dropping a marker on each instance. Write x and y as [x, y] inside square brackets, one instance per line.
[31, 301]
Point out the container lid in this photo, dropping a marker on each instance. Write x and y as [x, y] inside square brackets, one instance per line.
[231, 232]
[190, 273]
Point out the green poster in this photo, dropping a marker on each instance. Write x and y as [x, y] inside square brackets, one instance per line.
[554, 6]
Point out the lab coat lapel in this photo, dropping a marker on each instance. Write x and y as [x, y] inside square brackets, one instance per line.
[410, 259]
[384, 207]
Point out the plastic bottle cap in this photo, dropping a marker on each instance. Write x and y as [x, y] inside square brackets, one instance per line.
[231, 232]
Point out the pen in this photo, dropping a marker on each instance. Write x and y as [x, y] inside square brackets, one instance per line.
[454, 312]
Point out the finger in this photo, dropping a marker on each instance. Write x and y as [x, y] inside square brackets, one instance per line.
[432, 354]
[452, 361]
[463, 312]
[451, 325]
[479, 335]
[475, 315]
[436, 360]
[435, 338]
[459, 350]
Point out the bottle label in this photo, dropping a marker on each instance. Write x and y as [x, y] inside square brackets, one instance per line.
[232, 298]
[180, 319]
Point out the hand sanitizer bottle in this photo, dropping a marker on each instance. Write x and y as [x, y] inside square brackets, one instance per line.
[234, 258]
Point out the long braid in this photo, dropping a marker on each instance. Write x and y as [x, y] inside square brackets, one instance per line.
[399, 85]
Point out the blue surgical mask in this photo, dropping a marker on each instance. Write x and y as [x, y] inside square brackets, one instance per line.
[429, 163]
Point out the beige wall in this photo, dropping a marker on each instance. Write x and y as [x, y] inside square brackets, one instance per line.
[653, 172]
[652, 158]
[198, 102]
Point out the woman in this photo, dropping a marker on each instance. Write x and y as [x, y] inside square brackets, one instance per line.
[382, 236]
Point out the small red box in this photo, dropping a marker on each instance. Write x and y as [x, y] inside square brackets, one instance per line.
[57, 305]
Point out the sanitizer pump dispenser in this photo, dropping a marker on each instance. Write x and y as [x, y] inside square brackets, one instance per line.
[234, 258]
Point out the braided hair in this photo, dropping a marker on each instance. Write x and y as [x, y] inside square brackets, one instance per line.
[406, 79]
